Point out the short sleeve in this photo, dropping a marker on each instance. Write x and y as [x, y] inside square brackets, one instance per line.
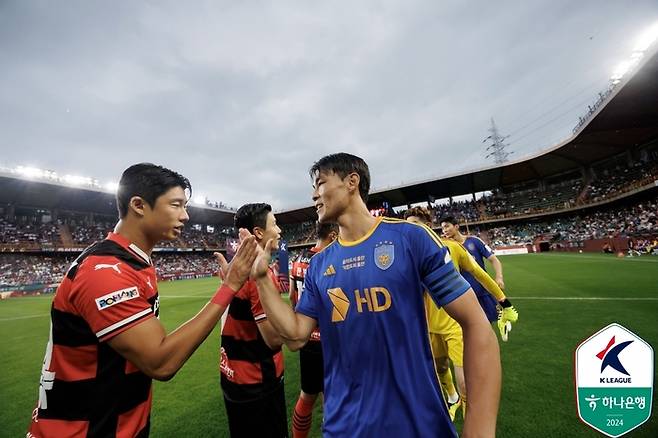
[308, 302]
[484, 249]
[110, 298]
[256, 307]
[437, 272]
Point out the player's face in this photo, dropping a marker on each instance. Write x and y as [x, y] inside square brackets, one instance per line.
[449, 230]
[165, 221]
[271, 231]
[330, 196]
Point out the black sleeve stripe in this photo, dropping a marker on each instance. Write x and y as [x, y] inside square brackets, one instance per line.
[444, 281]
[114, 327]
[440, 273]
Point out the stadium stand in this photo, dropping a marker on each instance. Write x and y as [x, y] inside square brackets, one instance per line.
[35, 235]
[638, 220]
[20, 269]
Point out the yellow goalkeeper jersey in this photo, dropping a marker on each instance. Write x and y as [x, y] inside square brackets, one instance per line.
[438, 319]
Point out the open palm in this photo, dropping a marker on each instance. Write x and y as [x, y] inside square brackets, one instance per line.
[262, 263]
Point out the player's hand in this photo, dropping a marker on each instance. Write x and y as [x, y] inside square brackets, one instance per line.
[261, 265]
[223, 265]
[499, 281]
[237, 272]
[507, 316]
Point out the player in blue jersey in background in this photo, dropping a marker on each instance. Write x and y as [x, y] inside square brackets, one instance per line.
[480, 251]
[365, 291]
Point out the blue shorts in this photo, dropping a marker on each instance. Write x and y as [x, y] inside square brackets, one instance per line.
[489, 305]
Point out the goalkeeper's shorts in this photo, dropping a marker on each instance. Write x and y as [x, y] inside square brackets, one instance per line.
[449, 345]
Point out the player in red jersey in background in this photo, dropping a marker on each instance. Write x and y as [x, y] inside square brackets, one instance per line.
[106, 342]
[251, 362]
[310, 355]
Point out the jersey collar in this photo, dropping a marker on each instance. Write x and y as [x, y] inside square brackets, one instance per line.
[125, 243]
[365, 237]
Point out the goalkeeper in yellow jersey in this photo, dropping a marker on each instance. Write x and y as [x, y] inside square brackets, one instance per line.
[501, 311]
[445, 334]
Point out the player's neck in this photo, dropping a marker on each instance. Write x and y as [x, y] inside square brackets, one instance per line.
[131, 232]
[355, 224]
[459, 237]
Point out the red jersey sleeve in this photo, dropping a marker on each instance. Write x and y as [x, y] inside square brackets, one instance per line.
[110, 297]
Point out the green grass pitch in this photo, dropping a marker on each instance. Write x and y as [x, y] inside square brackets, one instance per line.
[561, 298]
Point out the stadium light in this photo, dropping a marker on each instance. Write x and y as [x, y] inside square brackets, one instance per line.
[643, 43]
[77, 180]
[647, 39]
[621, 70]
[112, 187]
[30, 172]
[199, 199]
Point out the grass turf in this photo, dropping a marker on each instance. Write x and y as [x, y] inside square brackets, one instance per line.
[561, 298]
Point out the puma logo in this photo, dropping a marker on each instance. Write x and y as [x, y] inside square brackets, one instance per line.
[105, 266]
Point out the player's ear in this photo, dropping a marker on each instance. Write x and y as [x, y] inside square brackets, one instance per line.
[352, 181]
[137, 205]
[259, 233]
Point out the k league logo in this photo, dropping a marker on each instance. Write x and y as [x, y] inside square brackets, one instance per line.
[614, 380]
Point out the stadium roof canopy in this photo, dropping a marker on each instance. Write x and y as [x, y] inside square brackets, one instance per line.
[28, 193]
[628, 118]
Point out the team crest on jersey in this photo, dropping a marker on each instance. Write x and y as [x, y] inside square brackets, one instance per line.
[384, 255]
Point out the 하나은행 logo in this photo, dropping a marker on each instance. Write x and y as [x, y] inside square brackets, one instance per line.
[614, 380]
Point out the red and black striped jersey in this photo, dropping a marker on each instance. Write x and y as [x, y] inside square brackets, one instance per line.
[299, 267]
[87, 389]
[249, 368]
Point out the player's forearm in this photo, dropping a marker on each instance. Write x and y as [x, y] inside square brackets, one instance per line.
[497, 266]
[178, 346]
[279, 313]
[159, 355]
[483, 375]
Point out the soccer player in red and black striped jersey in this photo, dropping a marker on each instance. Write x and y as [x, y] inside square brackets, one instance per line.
[106, 342]
[251, 362]
[311, 369]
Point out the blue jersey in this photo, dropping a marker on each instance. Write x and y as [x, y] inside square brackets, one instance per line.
[480, 251]
[367, 297]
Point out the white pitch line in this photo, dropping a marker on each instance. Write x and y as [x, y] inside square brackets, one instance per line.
[16, 318]
[588, 298]
[603, 259]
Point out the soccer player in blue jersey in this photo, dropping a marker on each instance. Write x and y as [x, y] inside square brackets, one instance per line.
[365, 291]
[480, 251]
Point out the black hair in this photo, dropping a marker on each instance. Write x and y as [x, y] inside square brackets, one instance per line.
[449, 219]
[149, 182]
[343, 164]
[324, 229]
[250, 216]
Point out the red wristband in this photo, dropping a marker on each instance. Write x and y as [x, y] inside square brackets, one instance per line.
[223, 296]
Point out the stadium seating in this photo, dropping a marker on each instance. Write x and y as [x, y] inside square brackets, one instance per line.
[75, 233]
[638, 220]
[33, 269]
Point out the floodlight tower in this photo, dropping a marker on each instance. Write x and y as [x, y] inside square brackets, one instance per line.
[497, 146]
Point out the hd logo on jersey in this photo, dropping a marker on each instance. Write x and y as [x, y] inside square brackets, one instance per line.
[614, 380]
[384, 255]
[116, 297]
[373, 299]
